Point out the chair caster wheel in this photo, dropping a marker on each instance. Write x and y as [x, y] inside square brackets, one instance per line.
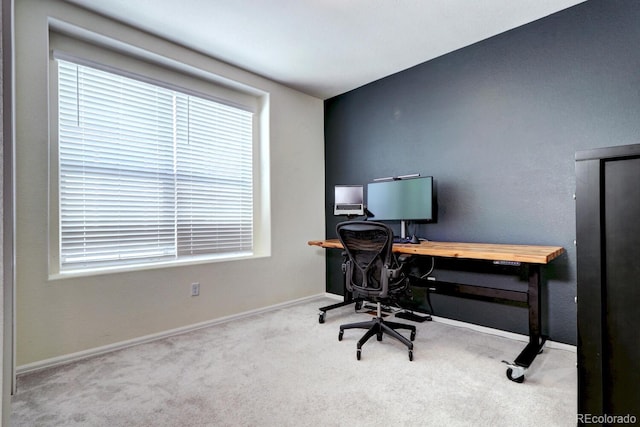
[516, 379]
[413, 335]
[379, 337]
[340, 335]
[358, 354]
[410, 355]
[321, 318]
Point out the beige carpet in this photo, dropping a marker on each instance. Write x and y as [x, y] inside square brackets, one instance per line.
[283, 368]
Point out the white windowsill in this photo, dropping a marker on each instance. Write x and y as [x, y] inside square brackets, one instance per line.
[208, 259]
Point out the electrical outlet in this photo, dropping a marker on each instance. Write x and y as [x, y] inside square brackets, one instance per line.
[195, 289]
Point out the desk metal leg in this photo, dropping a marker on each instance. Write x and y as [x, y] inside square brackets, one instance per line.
[516, 370]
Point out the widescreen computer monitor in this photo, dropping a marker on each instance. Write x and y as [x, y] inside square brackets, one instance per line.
[348, 200]
[402, 200]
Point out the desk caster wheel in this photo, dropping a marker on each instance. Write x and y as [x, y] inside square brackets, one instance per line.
[410, 356]
[515, 372]
[321, 317]
[358, 352]
[340, 335]
[516, 378]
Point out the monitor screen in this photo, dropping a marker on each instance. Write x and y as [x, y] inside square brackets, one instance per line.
[348, 200]
[404, 199]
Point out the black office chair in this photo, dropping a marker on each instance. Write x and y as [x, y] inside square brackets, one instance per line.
[373, 273]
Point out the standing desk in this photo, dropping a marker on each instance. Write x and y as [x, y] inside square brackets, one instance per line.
[531, 257]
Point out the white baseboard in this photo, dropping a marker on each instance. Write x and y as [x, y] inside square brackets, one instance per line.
[487, 330]
[501, 333]
[74, 357]
[334, 296]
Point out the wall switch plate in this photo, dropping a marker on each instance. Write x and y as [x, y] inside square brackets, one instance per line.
[195, 289]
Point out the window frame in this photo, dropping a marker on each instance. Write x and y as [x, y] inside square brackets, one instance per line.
[175, 76]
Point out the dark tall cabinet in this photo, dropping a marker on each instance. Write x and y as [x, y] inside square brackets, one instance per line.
[608, 261]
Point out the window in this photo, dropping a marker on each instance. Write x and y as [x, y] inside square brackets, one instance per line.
[149, 174]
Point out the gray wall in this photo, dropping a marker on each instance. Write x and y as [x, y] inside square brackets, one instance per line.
[497, 124]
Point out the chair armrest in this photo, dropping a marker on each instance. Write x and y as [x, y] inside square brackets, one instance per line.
[346, 271]
[394, 273]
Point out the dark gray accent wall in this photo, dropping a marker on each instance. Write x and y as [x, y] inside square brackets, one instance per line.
[497, 124]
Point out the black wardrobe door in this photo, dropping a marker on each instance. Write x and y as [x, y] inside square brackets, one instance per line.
[621, 343]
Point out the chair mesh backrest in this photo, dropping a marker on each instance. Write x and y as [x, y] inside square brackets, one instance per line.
[368, 246]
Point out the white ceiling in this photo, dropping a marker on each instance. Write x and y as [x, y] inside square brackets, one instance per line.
[325, 47]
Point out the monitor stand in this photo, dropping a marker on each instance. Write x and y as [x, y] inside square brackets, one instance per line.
[403, 233]
[403, 229]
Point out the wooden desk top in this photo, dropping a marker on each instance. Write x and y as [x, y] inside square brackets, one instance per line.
[485, 251]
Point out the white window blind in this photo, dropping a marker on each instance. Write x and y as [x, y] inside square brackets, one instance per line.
[149, 174]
